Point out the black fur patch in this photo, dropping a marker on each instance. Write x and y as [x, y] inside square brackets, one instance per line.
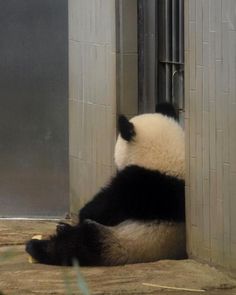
[38, 249]
[167, 109]
[137, 193]
[126, 128]
[82, 243]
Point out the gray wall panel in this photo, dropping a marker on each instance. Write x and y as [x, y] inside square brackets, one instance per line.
[92, 97]
[210, 101]
[33, 108]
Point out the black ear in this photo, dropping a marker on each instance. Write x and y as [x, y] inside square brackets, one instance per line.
[167, 109]
[126, 128]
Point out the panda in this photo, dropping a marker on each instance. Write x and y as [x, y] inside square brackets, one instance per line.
[140, 215]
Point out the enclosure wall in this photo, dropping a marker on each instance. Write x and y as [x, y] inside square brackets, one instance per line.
[34, 109]
[210, 108]
[92, 96]
[102, 83]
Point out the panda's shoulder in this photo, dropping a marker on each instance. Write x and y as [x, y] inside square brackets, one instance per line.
[143, 176]
[135, 171]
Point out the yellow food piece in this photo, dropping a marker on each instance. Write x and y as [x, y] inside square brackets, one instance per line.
[32, 260]
[37, 237]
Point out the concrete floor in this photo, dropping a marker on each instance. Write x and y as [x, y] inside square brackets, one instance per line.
[17, 276]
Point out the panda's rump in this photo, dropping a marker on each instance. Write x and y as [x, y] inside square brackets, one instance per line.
[135, 241]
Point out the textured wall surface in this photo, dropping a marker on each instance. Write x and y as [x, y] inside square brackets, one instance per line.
[127, 57]
[210, 103]
[34, 108]
[92, 96]
[102, 82]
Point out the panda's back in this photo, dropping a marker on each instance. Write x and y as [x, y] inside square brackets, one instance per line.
[149, 194]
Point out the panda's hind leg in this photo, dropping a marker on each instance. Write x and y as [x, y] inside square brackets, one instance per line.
[38, 249]
[90, 243]
[59, 249]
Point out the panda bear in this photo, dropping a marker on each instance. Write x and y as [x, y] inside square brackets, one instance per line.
[140, 215]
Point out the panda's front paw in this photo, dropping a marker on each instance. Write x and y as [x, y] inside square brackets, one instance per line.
[37, 249]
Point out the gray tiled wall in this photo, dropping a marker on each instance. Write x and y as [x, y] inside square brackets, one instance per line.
[210, 98]
[102, 82]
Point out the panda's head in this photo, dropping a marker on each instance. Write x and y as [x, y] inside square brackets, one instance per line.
[153, 141]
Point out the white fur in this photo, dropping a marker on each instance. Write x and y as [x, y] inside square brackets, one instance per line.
[134, 242]
[157, 145]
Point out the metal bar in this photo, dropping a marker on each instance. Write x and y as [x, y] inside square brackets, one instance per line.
[177, 53]
[141, 80]
[181, 50]
[181, 31]
[168, 29]
[174, 25]
[164, 50]
[150, 55]
[168, 52]
[168, 48]
[170, 62]
[174, 52]
[147, 55]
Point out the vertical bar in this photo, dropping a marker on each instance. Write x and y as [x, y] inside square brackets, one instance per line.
[175, 28]
[177, 53]
[147, 55]
[164, 50]
[168, 49]
[174, 52]
[168, 53]
[181, 52]
[150, 55]
[141, 80]
[181, 31]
